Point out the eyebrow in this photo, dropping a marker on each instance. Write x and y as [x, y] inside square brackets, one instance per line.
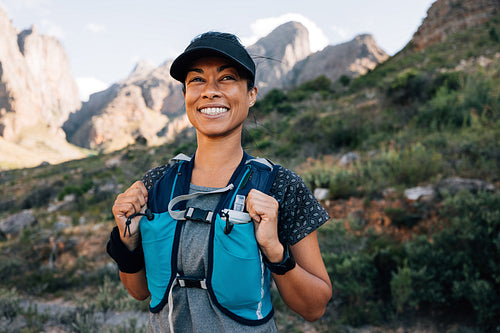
[199, 70]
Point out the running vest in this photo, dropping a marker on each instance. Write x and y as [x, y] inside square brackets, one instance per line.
[237, 280]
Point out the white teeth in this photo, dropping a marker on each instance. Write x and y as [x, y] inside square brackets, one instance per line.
[213, 111]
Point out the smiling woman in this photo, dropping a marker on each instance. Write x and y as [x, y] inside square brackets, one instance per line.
[217, 99]
[218, 226]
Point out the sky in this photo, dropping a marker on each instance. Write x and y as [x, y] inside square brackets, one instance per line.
[104, 39]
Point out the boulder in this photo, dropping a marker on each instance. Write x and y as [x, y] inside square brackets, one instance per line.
[16, 223]
[349, 158]
[456, 184]
[420, 192]
[321, 193]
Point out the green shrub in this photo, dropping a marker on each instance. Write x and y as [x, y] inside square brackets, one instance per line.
[442, 111]
[78, 190]
[407, 87]
[408, 166]
[462, 262]
[399, 217]
[401, 288]
[343, 184]
[270, 101]
[10, 268]
[321, 83]
[344, 80]
[493, 34]
[9, 303]
[455, 106]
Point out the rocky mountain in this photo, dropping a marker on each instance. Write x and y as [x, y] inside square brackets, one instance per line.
[149, 103]
[37, 90]
[277, 53]
[445, 17]
[36, 81]
[144, 105]
[351, 58]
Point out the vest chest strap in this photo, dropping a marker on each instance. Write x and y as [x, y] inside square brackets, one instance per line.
[189, 282]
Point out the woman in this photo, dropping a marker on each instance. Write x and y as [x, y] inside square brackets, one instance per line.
[201, 276]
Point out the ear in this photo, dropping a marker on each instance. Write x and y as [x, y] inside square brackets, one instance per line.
[252, 96]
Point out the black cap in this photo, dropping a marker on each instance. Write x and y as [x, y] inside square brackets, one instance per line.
[210, 44]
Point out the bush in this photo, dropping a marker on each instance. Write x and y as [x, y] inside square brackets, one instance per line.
[457, 102]
[344, 80]
[462, 262]
[401, 288]
[321, 83]
[408, 87]
[270, 101]
[9, 303]
[408, 166]
[78, 190]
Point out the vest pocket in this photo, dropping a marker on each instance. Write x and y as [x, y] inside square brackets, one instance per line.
[157, 241]
[238, 278]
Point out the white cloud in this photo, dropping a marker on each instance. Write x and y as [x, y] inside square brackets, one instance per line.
[88, 86]
[263, 27]
[95, 28]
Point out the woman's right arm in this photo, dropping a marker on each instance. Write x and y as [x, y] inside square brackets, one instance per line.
[132, 201]
[136, 284]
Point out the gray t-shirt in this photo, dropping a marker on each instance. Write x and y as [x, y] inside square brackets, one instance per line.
[193, 310]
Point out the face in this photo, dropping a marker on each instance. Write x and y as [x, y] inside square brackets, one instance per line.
[217, 98]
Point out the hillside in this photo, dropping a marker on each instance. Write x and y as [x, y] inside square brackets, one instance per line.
[408, 152]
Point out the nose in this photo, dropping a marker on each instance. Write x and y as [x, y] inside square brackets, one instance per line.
[211, 89]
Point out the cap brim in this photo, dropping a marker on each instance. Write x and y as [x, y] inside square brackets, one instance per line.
[180, 64]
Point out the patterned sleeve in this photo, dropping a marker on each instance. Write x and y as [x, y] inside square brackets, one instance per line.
[153, 175]
[300, 213]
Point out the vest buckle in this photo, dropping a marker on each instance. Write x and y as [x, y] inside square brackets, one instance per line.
[199, 215]
[190, 282]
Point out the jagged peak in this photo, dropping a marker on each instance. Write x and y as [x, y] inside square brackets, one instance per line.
[143, 67]
[286, 32]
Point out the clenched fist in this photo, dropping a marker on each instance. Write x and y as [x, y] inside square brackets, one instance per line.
[132, 201]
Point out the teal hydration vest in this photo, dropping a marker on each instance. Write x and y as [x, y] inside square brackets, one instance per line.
[237, 280]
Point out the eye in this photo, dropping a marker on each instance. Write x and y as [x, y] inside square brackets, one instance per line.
[228, 77]
[195, 79]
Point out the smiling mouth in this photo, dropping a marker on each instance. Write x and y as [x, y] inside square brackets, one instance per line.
[213, 111]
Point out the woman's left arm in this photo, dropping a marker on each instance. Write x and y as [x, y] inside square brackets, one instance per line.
[306, 289]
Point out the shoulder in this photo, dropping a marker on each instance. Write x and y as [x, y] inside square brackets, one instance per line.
[286, 181]
[152, 176]
[300, 213]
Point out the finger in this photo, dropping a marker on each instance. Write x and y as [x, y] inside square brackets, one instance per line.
[261, 203]
[139, 185]
[135, 195]
[123, 209]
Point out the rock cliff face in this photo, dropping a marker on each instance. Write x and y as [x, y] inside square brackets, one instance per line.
[277, 53]
[352, 58]
[445, 17]
[36, 86]
[138, 106]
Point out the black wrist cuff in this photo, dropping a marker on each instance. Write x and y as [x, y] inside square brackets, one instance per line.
[280, 268]
[128, 261]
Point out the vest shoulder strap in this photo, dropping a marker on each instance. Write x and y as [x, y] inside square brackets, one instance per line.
[178, 158]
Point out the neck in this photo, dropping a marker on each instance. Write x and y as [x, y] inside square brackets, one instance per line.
[215, 160]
